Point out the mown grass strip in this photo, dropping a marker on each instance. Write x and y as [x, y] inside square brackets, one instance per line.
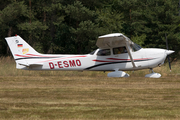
[83, 95]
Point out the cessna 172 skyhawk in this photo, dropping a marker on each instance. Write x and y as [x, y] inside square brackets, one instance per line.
[116, 53]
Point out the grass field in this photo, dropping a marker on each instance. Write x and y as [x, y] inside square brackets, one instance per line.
[34, 95]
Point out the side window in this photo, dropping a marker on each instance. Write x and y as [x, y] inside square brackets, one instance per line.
[104, 52]
[119, 50]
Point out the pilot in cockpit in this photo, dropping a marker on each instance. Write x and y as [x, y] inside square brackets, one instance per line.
[121, 50]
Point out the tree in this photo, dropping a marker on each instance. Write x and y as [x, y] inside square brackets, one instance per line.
[12, 15]
[72, 26]
[161, 17]
[148, 21]
[79, 30]
[109, 20]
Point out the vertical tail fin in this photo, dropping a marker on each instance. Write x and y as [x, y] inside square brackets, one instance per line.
[19, 47]
[20, 50]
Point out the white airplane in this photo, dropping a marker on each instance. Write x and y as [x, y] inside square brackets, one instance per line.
[116, 53]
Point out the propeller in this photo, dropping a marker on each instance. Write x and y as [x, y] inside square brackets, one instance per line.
[167, 54]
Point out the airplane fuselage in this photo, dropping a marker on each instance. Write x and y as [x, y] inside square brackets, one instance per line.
[143, 59]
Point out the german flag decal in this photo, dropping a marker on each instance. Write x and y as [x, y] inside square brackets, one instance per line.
[20, 45]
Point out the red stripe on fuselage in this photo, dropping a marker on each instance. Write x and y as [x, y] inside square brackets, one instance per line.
[31, 55]
[63, 58]
[116, 59]
[102, 61]
[21, 55]
[129, 59]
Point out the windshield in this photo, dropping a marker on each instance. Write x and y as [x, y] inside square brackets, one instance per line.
[135, 47]
[104, 52]
[92, 53]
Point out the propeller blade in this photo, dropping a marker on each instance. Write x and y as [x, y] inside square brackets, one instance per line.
[166, 42]
[167, 54]
[169, 63]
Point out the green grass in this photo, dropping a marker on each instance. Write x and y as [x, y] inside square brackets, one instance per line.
[29, 95]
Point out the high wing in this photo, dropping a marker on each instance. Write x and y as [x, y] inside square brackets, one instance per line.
[112, 40]
[115, 40]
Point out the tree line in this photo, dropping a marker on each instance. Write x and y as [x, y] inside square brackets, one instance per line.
[73, 26]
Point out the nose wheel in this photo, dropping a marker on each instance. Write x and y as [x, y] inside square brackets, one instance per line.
[153, 74]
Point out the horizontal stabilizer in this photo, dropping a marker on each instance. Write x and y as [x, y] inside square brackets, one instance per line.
[34, 64]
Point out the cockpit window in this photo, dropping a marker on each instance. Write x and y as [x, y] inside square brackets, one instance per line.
[119, 50]
[104, 52]
[92, 53]
[135, 47]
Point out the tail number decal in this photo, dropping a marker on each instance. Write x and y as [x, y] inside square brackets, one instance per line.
[65, 64]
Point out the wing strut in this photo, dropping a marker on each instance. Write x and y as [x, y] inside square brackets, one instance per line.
[130, 55]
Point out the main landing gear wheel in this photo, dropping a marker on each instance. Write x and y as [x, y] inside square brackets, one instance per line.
[153, 74]
[117, 73]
